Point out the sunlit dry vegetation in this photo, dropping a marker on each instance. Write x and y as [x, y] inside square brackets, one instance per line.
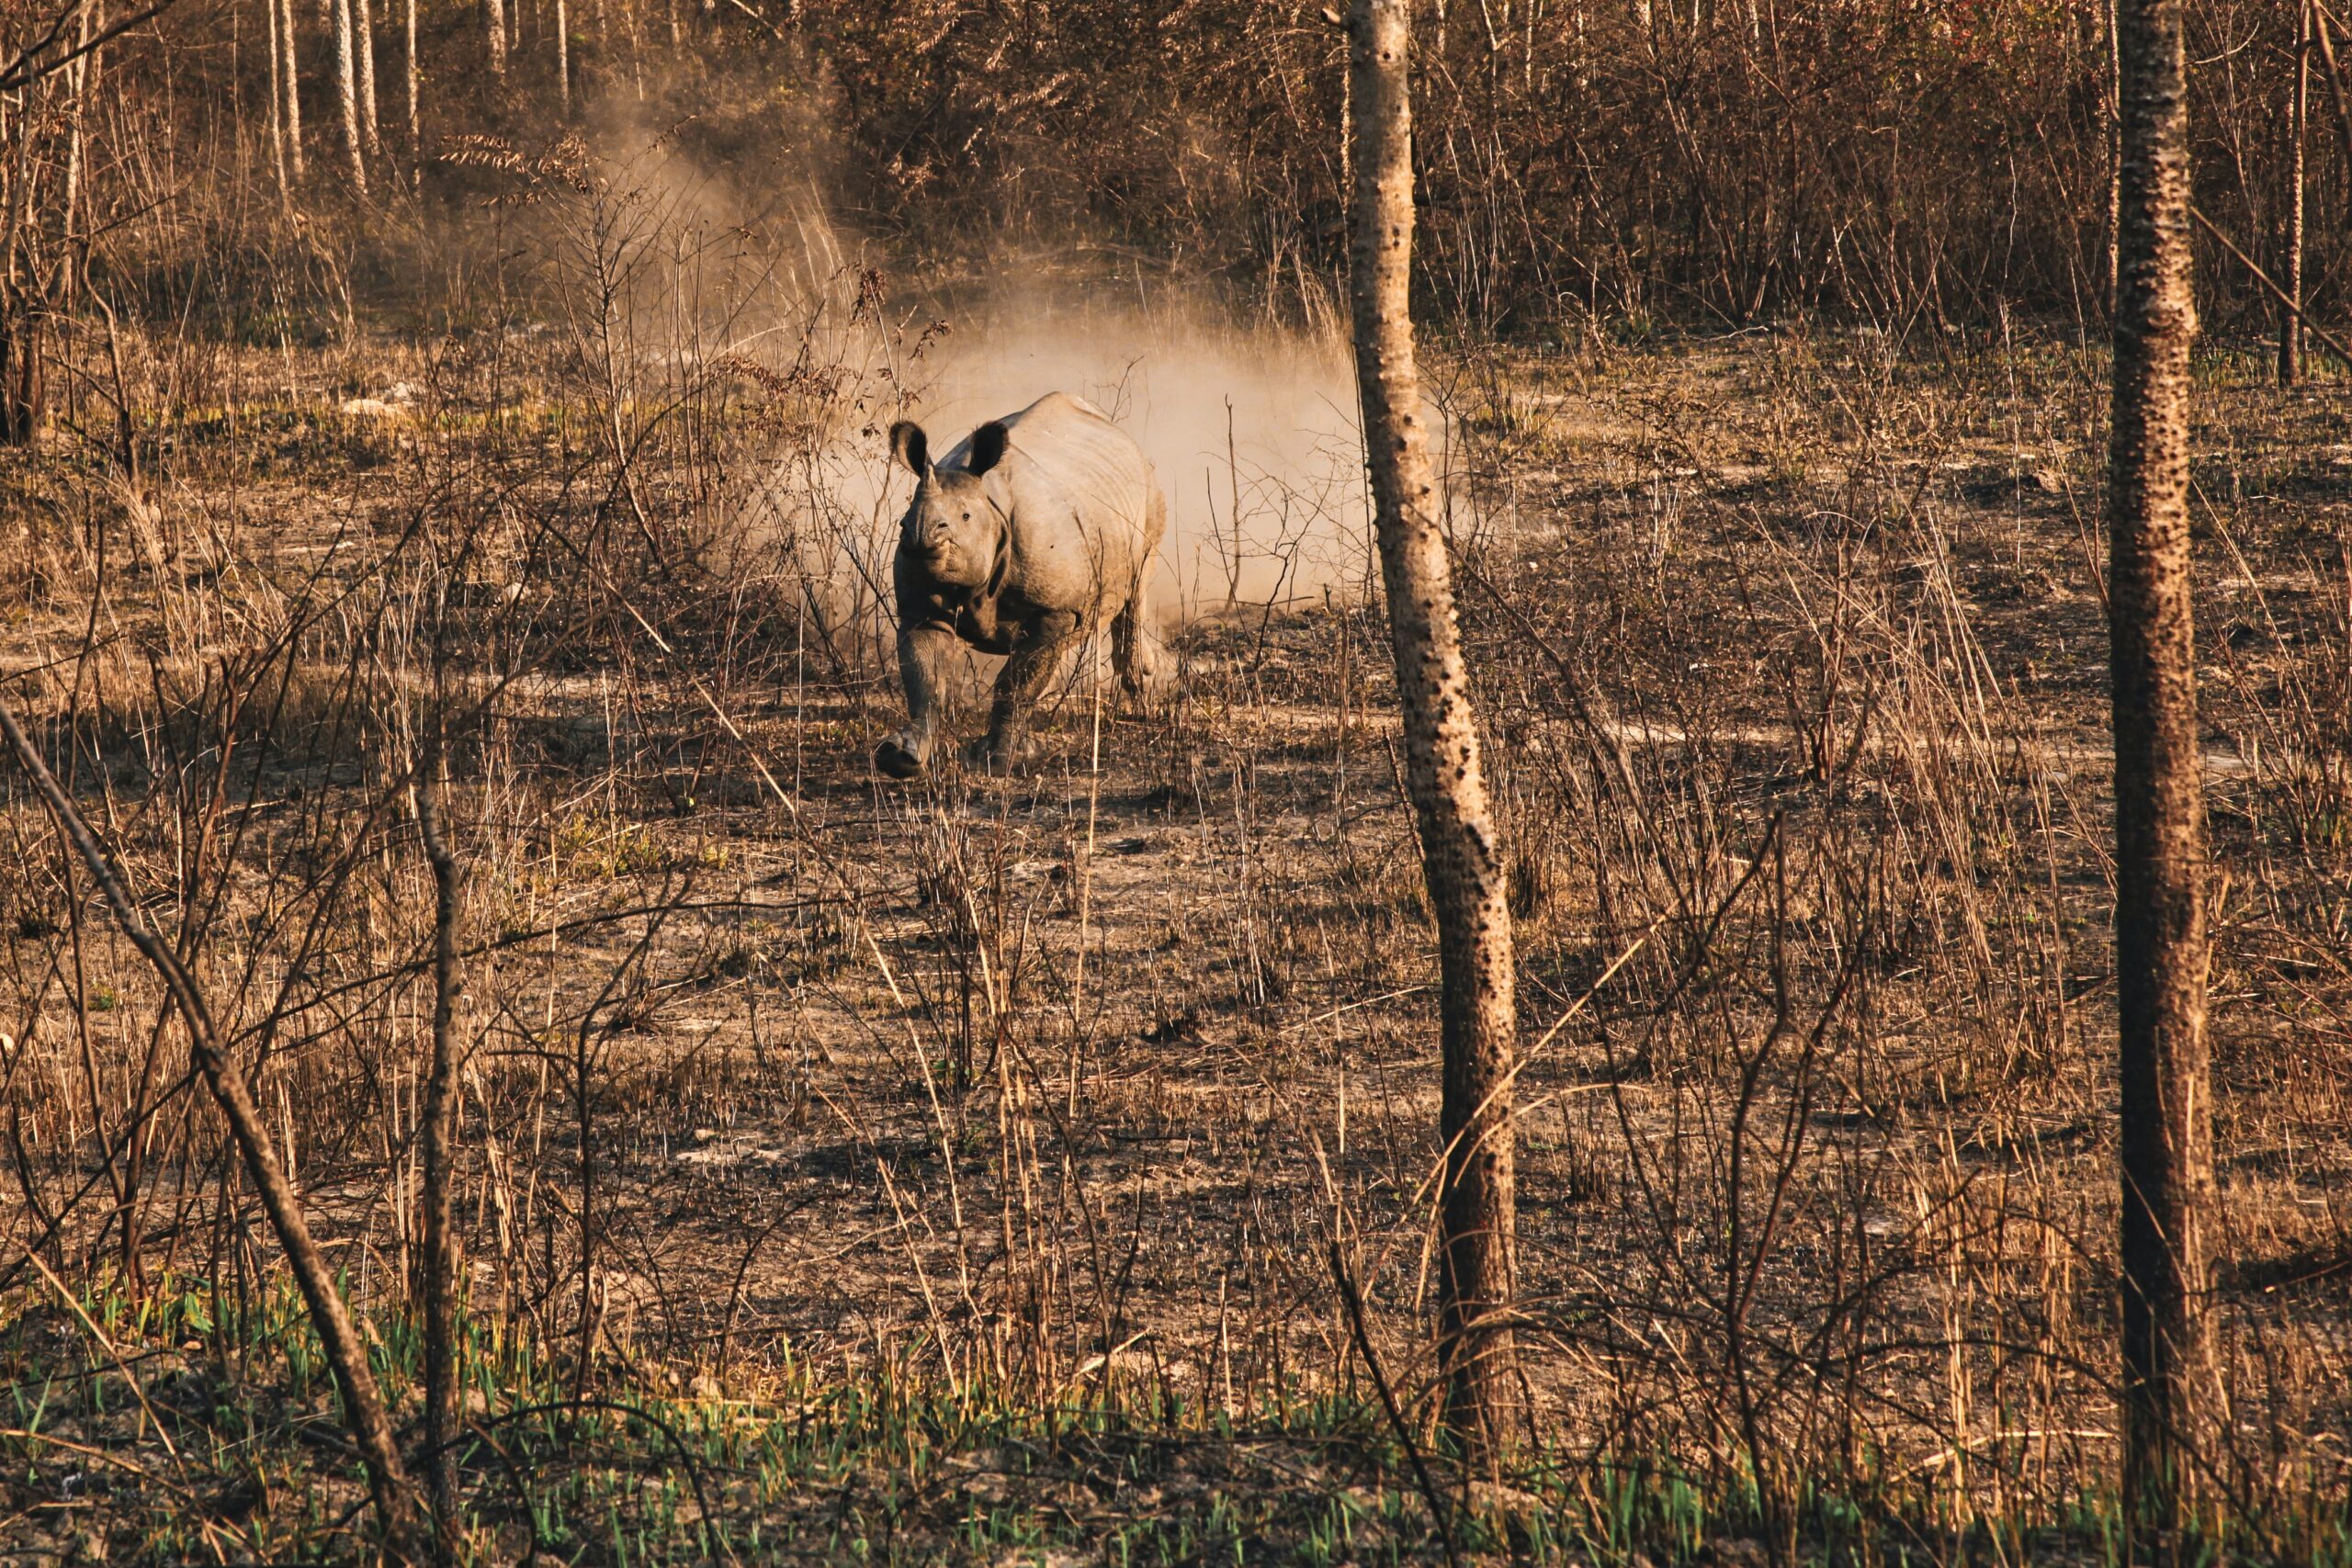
[1043, 1169]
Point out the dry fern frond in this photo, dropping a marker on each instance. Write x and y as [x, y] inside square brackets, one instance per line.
[774, 382]
[566, 163]
[484, 153]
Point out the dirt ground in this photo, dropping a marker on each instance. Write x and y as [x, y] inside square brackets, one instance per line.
[1792, 655]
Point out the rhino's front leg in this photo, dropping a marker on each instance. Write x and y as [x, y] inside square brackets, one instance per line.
[923, 653]
[1031, 664]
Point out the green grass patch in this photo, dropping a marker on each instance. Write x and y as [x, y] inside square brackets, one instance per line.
[191, 1420]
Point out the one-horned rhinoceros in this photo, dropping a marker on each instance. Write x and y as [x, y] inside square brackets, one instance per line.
[1022, 541]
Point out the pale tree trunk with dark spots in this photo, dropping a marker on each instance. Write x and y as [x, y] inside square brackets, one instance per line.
[2291, 270]
[563, 58]
[2110, 103]
[1461, 850]
[24, 311]
[364, 31]
[493, 35]
[346, 93]
[2161, 948]
[408, 69]
[439, 1260]
[277, 102]
[292, 74]
[83, 78]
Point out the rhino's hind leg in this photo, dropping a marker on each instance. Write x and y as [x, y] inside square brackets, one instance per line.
[923, 653]
[1146, 667]
[1030, 666]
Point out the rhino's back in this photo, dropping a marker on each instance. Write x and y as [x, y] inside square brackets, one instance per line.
[1069, 441]
[1082, 500]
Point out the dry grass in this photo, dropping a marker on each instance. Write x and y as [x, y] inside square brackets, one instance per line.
[989, 1139]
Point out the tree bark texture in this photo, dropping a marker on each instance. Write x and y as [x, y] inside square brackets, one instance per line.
[440, 1253]
[1461, 850]
[493, 35]
[2322, 35]
[563, 57]
[276, 100]
[293, 77]
[2290, 269]
[408, 69]
[2113, 106]
[2160, 932]
[24, 395]
[23, 309]
[83, 80]
[364, 30]
[346, 93]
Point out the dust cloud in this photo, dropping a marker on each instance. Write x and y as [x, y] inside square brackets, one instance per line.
[1252, 427]
[1252, 430]
[1253, 433]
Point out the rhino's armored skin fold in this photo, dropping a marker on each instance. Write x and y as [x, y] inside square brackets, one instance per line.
[1029, 536]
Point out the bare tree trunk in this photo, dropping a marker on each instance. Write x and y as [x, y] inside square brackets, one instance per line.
[2323, 37]
[277, 102]
[293, 88]
[2290, 281]
[564, 59]
[337, 17]
[83, 80]
[2160, 933]
[24, 316]
[364, 26]
[408, 69]
[2114, 148]
[24, 391]
[370, 1425]
[635, 34]
[440, 1256]
[493, 35]
[1461, 850]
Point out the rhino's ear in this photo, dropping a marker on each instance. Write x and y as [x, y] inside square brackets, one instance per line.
[911, 446]
[988, 445]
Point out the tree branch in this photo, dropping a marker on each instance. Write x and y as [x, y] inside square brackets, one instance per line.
[27, 68]
[2263, 277]
[372, 1428]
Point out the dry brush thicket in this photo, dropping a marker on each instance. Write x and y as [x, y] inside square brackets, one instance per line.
[1650, 162]
[1044, 1165]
